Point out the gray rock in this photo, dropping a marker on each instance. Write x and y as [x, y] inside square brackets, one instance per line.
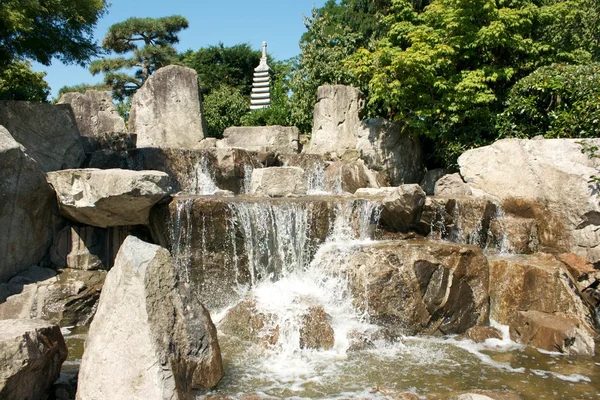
[151, 338]
[385, 147]
[278, 139]
[31, 354]
[112, 141]
[430, 178]
[549, 173]
[112, 197]
[344, 176]
[95, 112]
[278, 181]
[68, 298]
[245, 322]
[26, 206]
[316, 331]
[338, 111]
[166, 111]
[48, 132]
[451, 185]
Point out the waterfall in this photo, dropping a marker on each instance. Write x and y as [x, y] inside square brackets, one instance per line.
[316, 179]
[202, 180]
[181, 236]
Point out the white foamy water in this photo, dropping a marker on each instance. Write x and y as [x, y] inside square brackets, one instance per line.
[202, 180]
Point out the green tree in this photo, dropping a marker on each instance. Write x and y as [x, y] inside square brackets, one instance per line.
[219, 65]
[223, 107]
[149, 44]
[19, 82]
[42, 29]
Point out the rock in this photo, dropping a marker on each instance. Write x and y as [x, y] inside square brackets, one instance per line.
[112, 141]
[245, 322]
[111, 197]
[166, 111]
[79, 247]
[552, 332]
[338, 111]
[31, 354]
[341, 176]
[316, 331]
[512, 234]
[402, 207]
[480, 334]
[488, 395]
[26, 207]
[207, 143]
[364, 339]
[385, 147]
[151, 338]
[95, 112]
[419, 287]
[552, 173]
[430, 178]
[277, 139]
[278, 181]
[48, 133]
[451, 185]
[538, 283]
[586, 277]
[68, 298]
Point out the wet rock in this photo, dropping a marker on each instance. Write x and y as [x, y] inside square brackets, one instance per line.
[401, 206]
[586, 276]
[385, 147]
[348, 177]
[166, 111]
[48, 133]
[552, 332]
[66, 298]
[151, 338]
[538, 283]
[429, 180]
[316, 331]
[418, 287]
[552, 173]
[365, 340]
[26, 206]
[488, 395]
[31, 354]
[108, 197]
[245, 322]
[95, 112]
[339, 109]
[278, 181]
[480, 334]
[277, 139]
[514, 235]
[451, 185]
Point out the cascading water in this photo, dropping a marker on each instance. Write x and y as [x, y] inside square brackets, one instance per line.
[202, 181]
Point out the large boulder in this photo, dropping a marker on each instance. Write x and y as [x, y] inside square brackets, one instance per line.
[112, 197]
[552, 173]
[151, 338]
[66, 298]
[418, 287]
[166, 111]
[48, 133]
[349, 176]
[278, 181]
[401, 206]
[278, 139]
[384, 146]
[26, 206]
[31, 354]
[338, 111]
[525, 290]
[451, 185]
[95, 112]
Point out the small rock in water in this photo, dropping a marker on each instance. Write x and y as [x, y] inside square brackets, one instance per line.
[316, 331]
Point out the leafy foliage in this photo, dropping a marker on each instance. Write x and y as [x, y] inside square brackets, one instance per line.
[223, 107]
[19, 82]
[150, 43]
[42, 29]
[556, 101]
[219, 65]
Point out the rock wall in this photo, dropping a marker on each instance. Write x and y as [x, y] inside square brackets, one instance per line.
[166, 111]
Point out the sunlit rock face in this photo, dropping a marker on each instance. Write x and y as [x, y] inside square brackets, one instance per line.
[95, 112]
[553, 174]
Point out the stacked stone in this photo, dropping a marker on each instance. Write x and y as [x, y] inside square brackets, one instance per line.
[261, 83]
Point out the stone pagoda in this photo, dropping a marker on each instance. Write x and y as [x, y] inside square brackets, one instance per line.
[261, 83]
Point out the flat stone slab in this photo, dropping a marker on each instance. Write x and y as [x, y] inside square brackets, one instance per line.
[279, 139]
[111, 197]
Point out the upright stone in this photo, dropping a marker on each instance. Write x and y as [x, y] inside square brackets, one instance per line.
[151, 338]
[26, 203]
[95, 112]
[261, 83]
[166, 111]
[337, 113]
[47, 131]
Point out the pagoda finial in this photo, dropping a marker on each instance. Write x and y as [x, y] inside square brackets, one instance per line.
[264, 50]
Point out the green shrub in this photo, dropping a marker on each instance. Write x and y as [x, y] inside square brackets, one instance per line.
[557, 101]
[223, 107]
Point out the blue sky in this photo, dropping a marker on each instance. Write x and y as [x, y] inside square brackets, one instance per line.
[279, 22]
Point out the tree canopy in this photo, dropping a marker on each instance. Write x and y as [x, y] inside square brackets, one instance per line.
[42, 29]
[146, 45]
[19, 82]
